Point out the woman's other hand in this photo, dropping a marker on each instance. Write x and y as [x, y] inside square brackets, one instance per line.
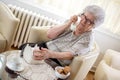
[42, 54]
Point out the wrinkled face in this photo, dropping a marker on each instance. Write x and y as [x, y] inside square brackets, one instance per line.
[86, 23]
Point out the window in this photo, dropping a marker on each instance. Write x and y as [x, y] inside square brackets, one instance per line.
[67, 8]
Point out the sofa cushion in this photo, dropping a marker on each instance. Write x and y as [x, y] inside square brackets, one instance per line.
[2, 43]
[43, 33]
[115, 61]
[38, 34]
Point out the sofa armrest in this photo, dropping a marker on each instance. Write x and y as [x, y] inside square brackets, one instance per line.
[81, 64]
[38, 34]
[105, 72]
[109, 54]
[75, 66]
[8, 24]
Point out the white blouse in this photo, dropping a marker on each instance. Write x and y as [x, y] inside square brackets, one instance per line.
[68, 42]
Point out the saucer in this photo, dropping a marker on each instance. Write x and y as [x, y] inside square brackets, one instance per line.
[15, 63]
[12, 67]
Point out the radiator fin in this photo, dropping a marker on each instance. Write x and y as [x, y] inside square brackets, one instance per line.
[27, 20]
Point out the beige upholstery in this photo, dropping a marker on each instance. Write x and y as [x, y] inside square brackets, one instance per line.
[38, 34]
[104, 70]
[80, 65]
[8, 26]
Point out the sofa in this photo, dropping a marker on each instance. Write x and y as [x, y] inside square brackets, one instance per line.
[8, 27]
[109, 66]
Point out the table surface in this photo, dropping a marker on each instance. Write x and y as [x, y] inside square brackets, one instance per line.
[41, 71]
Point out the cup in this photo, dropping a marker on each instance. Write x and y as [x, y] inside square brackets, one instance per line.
[15, 62]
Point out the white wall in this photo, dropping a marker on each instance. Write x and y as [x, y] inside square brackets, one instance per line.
[106, 41]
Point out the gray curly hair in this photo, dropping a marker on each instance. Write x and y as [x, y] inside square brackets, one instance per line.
[98, 12]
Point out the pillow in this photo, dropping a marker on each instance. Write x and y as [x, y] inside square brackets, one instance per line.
[38, 34]
[115, 62]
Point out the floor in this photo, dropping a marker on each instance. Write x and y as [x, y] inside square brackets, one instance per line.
[90, 76]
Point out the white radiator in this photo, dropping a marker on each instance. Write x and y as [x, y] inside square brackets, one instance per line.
[27, 20]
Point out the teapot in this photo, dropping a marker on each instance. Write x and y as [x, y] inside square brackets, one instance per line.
[27, 54]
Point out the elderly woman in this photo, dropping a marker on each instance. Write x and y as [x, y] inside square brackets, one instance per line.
[71, 38]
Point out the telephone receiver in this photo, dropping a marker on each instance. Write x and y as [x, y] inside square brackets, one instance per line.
[73, 25]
